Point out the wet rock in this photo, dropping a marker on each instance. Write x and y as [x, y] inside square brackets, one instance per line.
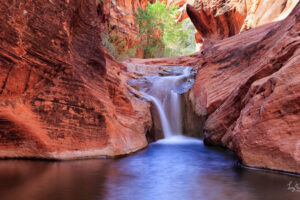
[156, 131]
[247, 91]
[192, 123]
[147, 76]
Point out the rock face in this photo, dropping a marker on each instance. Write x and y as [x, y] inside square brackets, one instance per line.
[261, 12]
[119, 22]
[118, 19]
[148, 79]
[192, 123]
[61, 96]
[216, 20]
[248, 87]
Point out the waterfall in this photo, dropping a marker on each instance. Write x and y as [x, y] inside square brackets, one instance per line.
[164, 92]
[166, 126]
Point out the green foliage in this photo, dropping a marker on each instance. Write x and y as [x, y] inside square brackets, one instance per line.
[162, 35]
[114, 44]
[189, 44]
[109, 45]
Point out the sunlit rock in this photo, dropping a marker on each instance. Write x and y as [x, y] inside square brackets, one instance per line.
[250, 86]
[247, 88]
[61, 95]
[216, 20]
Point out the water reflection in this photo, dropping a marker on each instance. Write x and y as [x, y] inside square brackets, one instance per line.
[181, 169]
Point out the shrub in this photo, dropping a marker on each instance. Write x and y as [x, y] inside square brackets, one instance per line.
[109, 45]
[162, 35]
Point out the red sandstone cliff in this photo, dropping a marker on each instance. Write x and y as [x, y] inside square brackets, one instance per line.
[216, 20]
[61, 96]
[118, 20]
[247, 88]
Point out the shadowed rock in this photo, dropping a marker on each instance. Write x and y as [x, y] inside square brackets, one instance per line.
[247, 88]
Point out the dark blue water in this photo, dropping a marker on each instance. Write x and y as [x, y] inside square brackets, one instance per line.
[181, 169]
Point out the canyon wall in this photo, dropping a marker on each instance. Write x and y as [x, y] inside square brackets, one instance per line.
[216, 20]
[117, 18]
[247, 89]
[118, 21]
[61, 95]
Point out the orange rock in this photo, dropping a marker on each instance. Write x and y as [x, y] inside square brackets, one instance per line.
[61, 96]
[251, 85]
[216, 20]
[247, 88]
[198, 38]
[261, 12]
[118, 18]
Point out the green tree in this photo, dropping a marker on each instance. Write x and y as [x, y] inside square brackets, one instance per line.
[161, 35]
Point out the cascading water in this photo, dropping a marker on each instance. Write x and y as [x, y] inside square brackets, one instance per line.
[164, 92]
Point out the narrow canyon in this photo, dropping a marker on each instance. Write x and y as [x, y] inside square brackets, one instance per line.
[64, 97]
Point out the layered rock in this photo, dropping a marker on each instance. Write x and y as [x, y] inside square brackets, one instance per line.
[216, 20]
[248, 87]
[61, 96]
[261, 12]
[119, 21]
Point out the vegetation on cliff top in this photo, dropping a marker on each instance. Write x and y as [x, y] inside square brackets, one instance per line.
[159, 33]
[162, 35]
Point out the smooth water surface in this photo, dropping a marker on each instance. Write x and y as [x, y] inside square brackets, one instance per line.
[177, 168]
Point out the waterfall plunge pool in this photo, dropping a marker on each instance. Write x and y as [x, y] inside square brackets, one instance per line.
[177, 168]
[163, 86]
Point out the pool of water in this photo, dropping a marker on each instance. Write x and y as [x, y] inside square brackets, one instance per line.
[177, 168]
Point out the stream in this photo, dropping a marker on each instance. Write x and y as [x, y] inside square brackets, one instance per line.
[177, 168]
[174, 168]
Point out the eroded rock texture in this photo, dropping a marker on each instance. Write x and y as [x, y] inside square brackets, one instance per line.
[248, 90]
[216, 20]
[261, 12]
[248, 87]
[61, 96]
[118, 20]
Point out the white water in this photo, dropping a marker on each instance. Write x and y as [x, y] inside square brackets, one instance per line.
[163, 118]
[164, 92]
[179, 139]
